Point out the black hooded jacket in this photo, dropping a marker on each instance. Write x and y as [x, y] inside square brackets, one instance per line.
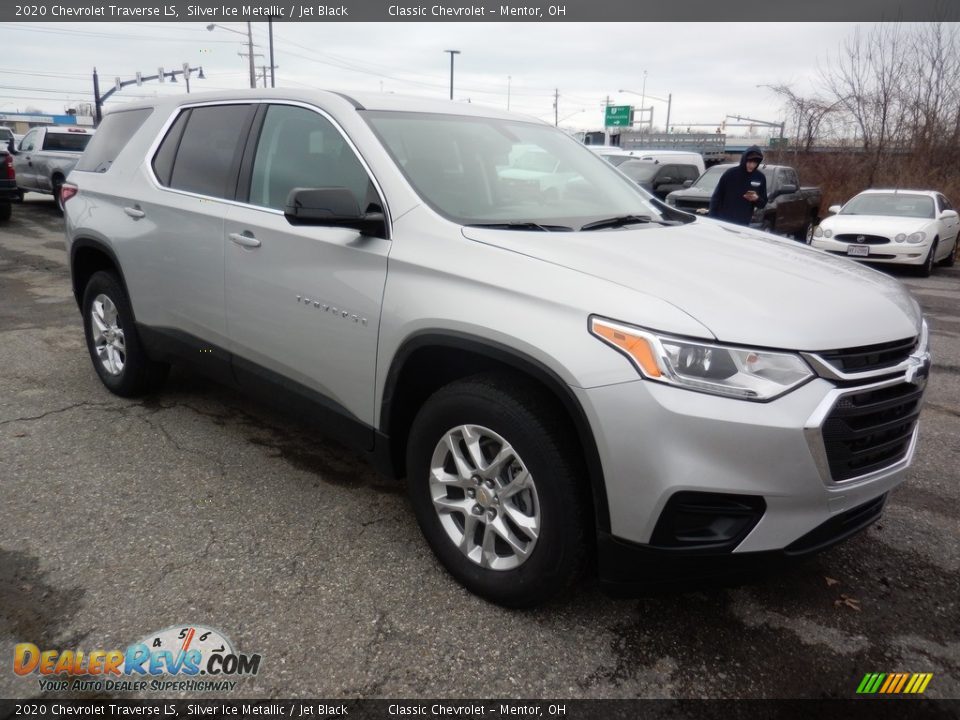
[728, 202]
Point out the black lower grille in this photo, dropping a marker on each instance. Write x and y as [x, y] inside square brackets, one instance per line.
[693, 204]
[838, 528]
[871, 430]
[867, 239]
[871, 256]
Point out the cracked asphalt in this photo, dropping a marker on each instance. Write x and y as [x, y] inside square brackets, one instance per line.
[119, 517]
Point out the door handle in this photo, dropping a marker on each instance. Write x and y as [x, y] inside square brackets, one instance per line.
[135, 213]
[244, 239]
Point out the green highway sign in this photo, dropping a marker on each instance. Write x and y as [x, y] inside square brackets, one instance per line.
[618, 116]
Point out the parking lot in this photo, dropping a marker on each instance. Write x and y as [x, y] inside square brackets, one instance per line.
[198, 506]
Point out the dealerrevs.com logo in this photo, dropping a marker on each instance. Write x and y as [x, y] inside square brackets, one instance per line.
[185, 657]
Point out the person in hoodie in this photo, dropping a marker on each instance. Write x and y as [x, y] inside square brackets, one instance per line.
[741, 190]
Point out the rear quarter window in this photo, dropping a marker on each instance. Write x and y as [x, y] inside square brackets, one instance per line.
[66, 142]
[112, 136]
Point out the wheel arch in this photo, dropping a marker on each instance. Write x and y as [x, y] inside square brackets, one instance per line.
[427, 361]
[87, 256]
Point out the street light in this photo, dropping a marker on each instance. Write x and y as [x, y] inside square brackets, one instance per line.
[249, 34]
[452, 53]
[644, 96]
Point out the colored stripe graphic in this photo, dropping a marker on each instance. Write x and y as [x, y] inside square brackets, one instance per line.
[894, 683]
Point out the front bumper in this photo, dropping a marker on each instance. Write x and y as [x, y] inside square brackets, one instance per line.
[893, 253]
[656, 441]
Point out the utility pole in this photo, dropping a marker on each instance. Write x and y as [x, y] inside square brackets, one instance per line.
[273, 66]
[556, 106]
[253, 72]
[452, 53]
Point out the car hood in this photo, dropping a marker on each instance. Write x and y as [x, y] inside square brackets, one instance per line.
[692, 194]
[746, 287]
[874, 224]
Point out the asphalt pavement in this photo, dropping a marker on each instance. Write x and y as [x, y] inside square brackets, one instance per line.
[199, 507]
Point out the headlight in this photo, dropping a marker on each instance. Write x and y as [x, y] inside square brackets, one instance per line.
[828, 233]
[818, 231]
[671, 202]
[900, 238]
[917, 237]
[734, 372]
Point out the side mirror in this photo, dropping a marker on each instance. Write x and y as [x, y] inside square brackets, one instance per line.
[947, 214]
[331, 206]
[834, 209]
[787, 188]
[687, 183]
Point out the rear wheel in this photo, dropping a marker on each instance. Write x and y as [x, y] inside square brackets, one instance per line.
[113, 342]
[494, 486]
[6, 210]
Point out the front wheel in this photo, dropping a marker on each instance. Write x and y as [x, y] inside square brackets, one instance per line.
[926, 270]
[951, 259]
[496, 491]
[113, 342]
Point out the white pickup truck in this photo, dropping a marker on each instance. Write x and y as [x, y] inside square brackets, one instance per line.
[45, 157]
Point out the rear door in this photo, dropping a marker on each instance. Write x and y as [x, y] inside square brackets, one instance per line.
[303, 302]
[176, 230]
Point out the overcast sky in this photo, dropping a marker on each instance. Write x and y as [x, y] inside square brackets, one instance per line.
[712, 70]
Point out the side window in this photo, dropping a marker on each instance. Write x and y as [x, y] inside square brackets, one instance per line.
[944, 203]
[167, 152]
[207, 150]
[29, 141]
[112, 136]
[688, 172]
[789, 177]
[666, 174]
[301, 148]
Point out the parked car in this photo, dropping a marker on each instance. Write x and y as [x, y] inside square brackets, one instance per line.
[896, 227]
[8, 185]
[659, 179]
[554, 381]
[616, 156]
[790, 210]
[45, 157]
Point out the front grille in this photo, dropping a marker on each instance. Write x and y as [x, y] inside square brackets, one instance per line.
[871, 430]
[870, 357]
[867, 239]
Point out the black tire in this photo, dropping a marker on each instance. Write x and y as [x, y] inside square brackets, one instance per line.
[139, 374]
[529, 421]
[18, 198]
[57, 183]
[926, 270]
[6, 210]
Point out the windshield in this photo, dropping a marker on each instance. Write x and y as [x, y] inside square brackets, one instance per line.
[488, 171]
[890, 204]
[708, 181]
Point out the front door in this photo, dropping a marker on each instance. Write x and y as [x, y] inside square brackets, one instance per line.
[303, 302]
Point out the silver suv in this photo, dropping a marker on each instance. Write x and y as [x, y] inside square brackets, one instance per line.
[567, 372]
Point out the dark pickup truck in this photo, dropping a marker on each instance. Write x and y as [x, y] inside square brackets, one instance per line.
[790, 209]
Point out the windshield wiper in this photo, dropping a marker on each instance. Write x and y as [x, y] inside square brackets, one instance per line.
[522, 226]
[622, 220]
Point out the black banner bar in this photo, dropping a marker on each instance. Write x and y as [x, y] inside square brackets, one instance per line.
[478, 10]
[849, 709]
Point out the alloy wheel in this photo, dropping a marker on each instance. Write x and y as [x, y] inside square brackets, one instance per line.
[485, 497]
[108, 337]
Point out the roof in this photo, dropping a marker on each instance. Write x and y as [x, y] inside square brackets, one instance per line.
[875, 191]
[359, 101]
